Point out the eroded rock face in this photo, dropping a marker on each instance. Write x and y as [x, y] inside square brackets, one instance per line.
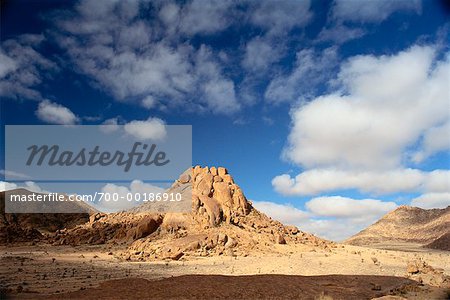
[216, 197]
[145, 227]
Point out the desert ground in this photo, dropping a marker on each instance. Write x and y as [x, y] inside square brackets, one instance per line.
[223, 249]
[345, 272]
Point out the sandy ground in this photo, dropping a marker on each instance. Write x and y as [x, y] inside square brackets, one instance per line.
[77, 272]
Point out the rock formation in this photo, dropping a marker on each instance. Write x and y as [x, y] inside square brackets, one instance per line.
[222, 222]
[422, 272]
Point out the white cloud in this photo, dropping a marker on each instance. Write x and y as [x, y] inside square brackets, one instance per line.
[218, 95]
[55, 113]
[311, 68]
[335, 218]
[260, 54]
[7, 186]
[316, 181]
[34, 187]
[150, 129]
[136, 187]
[280, 16]
[432, 200]
[437, 181]
[141, 60]
[205, 17]
[110, 125]
[341, 207]
[23, 68]
[285, 213]
[371, 11]
[7, 65]
[149, 102]
[384, 112]
[385, 104]
[28, 185]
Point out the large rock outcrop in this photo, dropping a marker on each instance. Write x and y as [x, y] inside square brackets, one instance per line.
[221, 222]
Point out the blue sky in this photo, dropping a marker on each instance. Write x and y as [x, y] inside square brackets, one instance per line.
[327, 113]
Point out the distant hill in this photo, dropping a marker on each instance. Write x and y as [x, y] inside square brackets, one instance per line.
[24, 227]
[429, 227]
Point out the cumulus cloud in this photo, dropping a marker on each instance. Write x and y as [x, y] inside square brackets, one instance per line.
[150, 129]
[384, 108]
[7, 186]
[136, 187]
[110, 125]
[285, 213]
[341, 207]
[432, 200]
[385, 114]
[28, 185]
[335, 218]
[372, 11]
[316, 181]
[54, 113]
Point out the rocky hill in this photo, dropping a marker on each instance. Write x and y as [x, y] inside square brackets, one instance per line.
[25, 227]
[408, 224]
[222, 222]
[441, 243]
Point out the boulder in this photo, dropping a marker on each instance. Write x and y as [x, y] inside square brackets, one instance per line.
[222, 193]
[213, 171]
[222, 239]
[145, 227]
[412, 268]
[204, 184]
[177, 256]
[228, 179]
[279, 239]
[184, 178]
[222, 171]
[240, 203]
[212, 209]
[95, 217]
[231, 243]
